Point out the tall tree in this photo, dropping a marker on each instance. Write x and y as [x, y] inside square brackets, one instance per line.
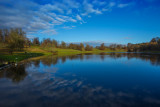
[27, 42]
[88, 48]
[16, 39]
[102, 47]
[47, 43]
[36, 41]
[153, 40]
[63, 45]
[6, 35]
[55, 43]
[82, 47]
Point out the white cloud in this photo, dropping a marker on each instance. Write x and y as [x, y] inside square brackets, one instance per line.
[45, 17]
[30, 36]
[72, 20]
[123, 5]
[96, 2]
[50, 32]
[72, 3]
[60, 19]
[69, 11]
[33, 17]
[78, 17]
[68, 27]
[89, 9]
[49, 7]
[105, 9]
[111, 4]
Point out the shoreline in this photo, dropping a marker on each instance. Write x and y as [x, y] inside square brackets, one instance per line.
[64, 53]
[35, 52]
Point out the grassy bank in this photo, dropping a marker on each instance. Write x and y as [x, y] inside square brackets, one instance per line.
[36, 51]
[16, 57]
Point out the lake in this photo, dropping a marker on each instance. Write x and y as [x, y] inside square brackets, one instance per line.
[85, 80]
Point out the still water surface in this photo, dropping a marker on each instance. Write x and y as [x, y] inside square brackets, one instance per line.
[105, 80]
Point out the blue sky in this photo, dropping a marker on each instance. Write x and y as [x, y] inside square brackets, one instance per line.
[109, 21]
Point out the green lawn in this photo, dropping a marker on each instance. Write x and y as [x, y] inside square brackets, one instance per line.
[35, 51]
[16, 57]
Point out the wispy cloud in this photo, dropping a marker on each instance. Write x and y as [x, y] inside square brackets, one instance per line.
[50, 32]
[78, 17]
[89, 8]
[68, 27]
[30, 36]
[111, 4]
[34, 17]
[123, 5]
[97, 2]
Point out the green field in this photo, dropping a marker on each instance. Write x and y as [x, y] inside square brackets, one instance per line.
[36, 51]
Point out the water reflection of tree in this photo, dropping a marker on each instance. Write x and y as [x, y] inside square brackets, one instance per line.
[153, 58]
[81, 56]
[71, 57]
[102, 56]
[49, 60]
[63, 58]
[55, 59]
[15, 73]
[36, 63]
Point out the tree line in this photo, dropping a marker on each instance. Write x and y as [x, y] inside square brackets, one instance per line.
[82, 47]
[153, 45]
[15, 39]
[55, 44]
